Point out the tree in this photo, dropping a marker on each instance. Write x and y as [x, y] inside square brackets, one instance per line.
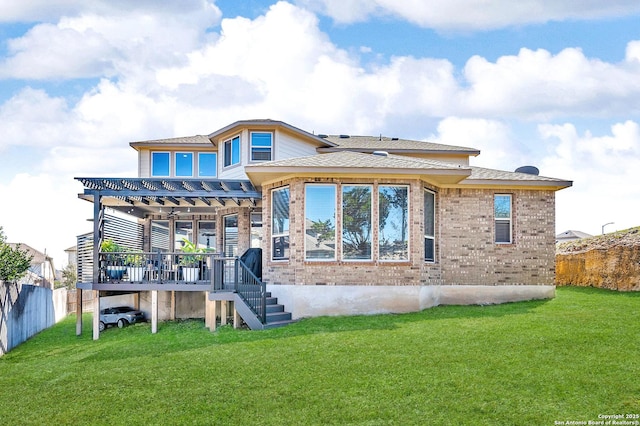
[13, 261]
[69, 276]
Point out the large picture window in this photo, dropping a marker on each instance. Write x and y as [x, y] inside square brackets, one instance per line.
[160, 164]
[393, 222]
[261, 146]
[320, 222]
[356, 222]
[280, 224]
[503, 218]
[232, 152]
[429, 226]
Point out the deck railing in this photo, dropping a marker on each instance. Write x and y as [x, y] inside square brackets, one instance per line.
[252, 290]
[174, 268]
[220, 273]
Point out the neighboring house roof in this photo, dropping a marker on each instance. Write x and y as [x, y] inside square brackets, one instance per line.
[393, 145]
[572, 235]
[348, 162]
[36, 255]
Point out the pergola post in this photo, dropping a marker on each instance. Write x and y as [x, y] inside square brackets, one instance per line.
[96, 315]
[209, 313]
[97, 242]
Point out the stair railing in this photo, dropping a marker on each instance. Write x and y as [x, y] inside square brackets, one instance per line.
[252, 290]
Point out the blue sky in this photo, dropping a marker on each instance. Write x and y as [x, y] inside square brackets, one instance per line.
[553, 83]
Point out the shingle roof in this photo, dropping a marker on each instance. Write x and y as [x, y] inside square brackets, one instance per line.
[358, 162]
[373, 143]
[184, 140]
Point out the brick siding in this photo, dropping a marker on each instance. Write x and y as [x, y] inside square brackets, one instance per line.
[465, 248]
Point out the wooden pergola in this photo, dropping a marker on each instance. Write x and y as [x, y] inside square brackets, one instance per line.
[143, 197]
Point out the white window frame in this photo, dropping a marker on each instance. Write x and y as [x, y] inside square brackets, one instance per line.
[215, 154]
[280, 234]
[175, 163]
[224, 152]
[251, 147]
[372, 242]
[509, 220]
[427, 236]
[392, 185]
[151, 163]
[335, 222]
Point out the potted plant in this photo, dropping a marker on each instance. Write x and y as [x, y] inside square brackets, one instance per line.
[115, 268]
[190, 260]
[135, 266]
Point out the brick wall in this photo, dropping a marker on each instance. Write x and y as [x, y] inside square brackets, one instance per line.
[468, 252]
[465, 248]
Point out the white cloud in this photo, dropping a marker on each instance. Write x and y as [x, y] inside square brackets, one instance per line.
[537, 84]
[470, 15]
[117, 42]
[52, 10]
[604, 171]
[44, 212]
[498, 147]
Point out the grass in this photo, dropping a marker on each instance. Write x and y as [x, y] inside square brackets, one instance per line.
[567, 359]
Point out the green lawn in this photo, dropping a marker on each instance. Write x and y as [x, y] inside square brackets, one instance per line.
[567, 359]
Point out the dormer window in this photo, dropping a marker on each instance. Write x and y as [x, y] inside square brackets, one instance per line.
[261, 146]
[232, 152]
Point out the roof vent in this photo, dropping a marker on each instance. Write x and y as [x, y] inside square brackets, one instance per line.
[394, 139]
[344, 136]
[322, 135]
[530, 170]
[381, 153]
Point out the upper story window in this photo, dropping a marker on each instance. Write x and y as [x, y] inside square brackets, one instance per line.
[184, 164]
[503, 218]
[261, 146]
[207, 164]
[232, 152]
[160, 164]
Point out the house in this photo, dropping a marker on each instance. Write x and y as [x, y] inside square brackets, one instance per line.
[346, 225]
[41, 271]
[571, 235]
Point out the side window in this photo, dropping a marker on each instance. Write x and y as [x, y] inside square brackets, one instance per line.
[207, 164]
[429, 226]
[280, 224]
[232, 152]
[261, 146]
[503, 218]
[160, 164]
[184, 164]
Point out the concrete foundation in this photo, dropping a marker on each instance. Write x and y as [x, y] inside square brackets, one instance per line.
[313, 301]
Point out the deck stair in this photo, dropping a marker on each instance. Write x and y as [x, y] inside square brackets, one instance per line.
[276, 315]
